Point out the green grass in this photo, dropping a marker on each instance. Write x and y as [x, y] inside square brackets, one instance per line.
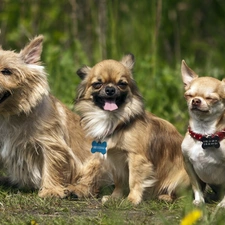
[159, 40]
[17, 207]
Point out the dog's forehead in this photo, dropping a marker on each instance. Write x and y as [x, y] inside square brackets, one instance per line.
[4, 53]
[8, 58]
[109, 70]
[209, 83]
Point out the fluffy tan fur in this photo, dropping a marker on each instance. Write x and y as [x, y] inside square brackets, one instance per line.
[42, 143]
[143, 151]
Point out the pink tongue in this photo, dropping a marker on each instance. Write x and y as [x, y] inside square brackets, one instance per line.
[110, 105]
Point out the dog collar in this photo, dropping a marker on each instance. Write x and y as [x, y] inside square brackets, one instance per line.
[212, 140]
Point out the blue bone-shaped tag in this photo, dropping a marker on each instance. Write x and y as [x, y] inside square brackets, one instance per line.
[99, 147]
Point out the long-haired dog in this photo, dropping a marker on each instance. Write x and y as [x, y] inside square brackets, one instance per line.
[143, 151]
[204, 144]
[42, 144]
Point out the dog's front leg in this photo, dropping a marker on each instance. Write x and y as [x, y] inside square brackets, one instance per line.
[197, 184]
[118, 190]
[57, 169]
[141, 175]
[222, 203]
[50, 187]
[91, 176]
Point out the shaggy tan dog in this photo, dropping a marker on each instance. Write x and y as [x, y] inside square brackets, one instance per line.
[42, 144]
[143, 151]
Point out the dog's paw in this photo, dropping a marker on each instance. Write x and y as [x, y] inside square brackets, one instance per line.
[53, 192]
[81, 191]
[105, 198]
[134, 199]
[221, 204]
[198, 202]
[166, 198]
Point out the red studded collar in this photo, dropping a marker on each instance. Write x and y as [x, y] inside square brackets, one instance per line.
[208, 141]
[220, 134]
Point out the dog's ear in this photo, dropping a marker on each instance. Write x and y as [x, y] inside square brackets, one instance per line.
[223, 83]
[31, 54]
[223, 88]
[187, 74]
[83, 72]
[128, 61]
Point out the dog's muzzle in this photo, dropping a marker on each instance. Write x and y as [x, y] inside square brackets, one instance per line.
[110, 103]
[4, 96]
[109, 98]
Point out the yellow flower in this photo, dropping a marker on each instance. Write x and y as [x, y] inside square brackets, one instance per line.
[191, 217]
[33, 222]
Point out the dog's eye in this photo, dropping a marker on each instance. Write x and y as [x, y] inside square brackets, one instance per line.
[97, 85]
[188, 96]
[122, 84]
[6, 71]
[213, 99]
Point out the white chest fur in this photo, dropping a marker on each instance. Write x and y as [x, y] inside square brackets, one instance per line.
[209, 164]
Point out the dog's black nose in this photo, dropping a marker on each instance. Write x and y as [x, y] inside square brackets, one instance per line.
[110, 91]
[196, 101]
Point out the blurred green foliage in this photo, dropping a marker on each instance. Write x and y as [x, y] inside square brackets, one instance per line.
[159, 33]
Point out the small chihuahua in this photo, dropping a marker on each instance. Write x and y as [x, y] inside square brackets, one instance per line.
[42, 144]
[204, 144]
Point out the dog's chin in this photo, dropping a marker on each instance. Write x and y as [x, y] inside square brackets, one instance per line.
[197, 110]
[199, 113]
[4, 96]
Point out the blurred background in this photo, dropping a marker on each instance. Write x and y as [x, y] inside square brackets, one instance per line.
[160, 33]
